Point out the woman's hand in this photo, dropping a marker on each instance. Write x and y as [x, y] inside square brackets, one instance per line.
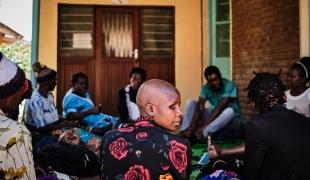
[213, 150]
[95, 109]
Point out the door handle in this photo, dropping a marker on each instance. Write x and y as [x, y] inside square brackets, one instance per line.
[135, 54]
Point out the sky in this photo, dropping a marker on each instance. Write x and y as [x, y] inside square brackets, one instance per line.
[17, 14]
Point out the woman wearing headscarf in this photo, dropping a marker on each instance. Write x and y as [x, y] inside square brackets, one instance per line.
[42, 116]
[43, 121]
[41, 112]
[16, 161]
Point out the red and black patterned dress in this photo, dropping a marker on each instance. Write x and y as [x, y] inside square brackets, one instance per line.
[144, 151]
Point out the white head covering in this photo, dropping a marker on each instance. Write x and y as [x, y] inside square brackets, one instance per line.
[12, 78]
[8, 70]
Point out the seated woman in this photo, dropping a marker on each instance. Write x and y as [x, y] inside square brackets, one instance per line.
[298, 96]
[127, 107]
[146, 149]
[78, 105]
[41, 114]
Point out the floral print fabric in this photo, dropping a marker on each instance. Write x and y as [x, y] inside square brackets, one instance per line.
[221, 175]
[16, 161]
[144, 151]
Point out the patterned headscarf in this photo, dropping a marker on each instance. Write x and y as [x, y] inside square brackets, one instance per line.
[12, 78]
[43, 72]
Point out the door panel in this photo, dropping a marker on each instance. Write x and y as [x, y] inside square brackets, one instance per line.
[116, 42]
[117, 32]
[75, 47]
[157, 42]
[118, 39]
[159, 69]
[114, 77]
[157, 29]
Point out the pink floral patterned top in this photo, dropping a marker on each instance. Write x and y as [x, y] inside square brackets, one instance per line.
[144, 151]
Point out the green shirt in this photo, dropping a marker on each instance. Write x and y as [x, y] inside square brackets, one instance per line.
[229, 89]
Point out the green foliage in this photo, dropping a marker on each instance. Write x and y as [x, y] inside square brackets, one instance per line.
[20, 53]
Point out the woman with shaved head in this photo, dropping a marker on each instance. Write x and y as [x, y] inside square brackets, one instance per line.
[146, 149]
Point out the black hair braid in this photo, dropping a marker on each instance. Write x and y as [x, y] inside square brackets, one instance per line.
[37, 67]
[266, 90]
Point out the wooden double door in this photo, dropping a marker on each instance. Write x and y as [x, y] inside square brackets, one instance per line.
[107, 42]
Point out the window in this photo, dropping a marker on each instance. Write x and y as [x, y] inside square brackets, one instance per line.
[219, 31]
[222, 28]
[117, 32]
[157, 32]
[76, 31]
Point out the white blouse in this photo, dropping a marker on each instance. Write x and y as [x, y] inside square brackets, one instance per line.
[300, 103]
[133, 110]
